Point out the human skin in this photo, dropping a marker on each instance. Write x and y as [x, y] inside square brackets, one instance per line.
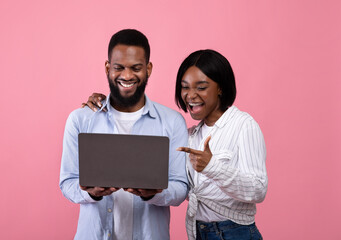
[127, 70]
[201, 96]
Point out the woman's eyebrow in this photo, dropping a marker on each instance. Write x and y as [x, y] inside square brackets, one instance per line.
[202, 82]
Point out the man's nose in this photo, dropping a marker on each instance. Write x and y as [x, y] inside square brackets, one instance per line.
[126, 74]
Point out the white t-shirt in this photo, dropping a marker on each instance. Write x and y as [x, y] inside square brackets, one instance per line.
[123, 201]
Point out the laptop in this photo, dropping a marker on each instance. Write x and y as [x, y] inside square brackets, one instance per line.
[123, 161]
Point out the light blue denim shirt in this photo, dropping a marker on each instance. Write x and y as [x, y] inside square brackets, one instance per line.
[150, 218]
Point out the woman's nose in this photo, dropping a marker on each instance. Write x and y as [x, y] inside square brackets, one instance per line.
[191, 94]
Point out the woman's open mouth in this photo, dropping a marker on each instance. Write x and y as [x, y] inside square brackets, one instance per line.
[195, 107]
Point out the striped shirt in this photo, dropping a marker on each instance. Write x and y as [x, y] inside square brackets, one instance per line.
[235, 179]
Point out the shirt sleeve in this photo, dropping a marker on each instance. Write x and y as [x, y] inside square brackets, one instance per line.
[177, 189]
[247, 181]
[69, 171]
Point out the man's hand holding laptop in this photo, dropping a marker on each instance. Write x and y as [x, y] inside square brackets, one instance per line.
[146, 194]
[99, 192]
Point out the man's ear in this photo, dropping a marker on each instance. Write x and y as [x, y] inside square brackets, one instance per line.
[149, 69]
[107, 67]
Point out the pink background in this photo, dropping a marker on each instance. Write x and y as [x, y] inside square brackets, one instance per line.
[286, 56]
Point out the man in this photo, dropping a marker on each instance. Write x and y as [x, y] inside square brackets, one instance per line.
[111, 213]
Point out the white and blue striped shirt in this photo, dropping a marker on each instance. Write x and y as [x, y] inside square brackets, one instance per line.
[235, 179]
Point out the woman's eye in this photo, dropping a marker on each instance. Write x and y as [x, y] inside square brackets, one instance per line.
[184, 87]
[201, 88]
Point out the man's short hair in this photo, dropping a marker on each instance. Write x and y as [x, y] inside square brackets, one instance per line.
[130, 37]
[216, 67]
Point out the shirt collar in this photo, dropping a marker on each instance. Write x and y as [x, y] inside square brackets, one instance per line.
[221, 122]
[148, 107]
[196, 129]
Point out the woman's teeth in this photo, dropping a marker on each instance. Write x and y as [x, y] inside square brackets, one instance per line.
[194, 104]
[195, 107]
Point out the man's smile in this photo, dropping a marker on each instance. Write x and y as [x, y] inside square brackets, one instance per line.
[126, 84]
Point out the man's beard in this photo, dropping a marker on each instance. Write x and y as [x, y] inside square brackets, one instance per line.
[119, 100]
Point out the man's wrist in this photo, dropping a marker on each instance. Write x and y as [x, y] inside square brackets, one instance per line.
[95, 198]
[147, 198]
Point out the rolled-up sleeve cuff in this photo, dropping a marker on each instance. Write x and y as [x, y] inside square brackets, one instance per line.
[157, 199]
[87, 197]
[215, 166]
[210, 170]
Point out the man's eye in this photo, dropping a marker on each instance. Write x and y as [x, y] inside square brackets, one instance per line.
[136, 69]
[118, 68]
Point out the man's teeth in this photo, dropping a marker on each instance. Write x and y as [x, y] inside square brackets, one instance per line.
[127, 85]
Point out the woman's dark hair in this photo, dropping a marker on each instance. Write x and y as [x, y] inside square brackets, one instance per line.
[129, 37]
[216, 67]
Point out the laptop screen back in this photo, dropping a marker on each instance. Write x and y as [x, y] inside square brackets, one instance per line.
[123, 161]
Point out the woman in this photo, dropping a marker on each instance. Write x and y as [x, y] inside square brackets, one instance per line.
[226, 151]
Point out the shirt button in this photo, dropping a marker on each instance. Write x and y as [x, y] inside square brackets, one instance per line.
[109, 210]
[202, 226]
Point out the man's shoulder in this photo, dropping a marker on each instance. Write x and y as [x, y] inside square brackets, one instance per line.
[164, 110]
[81, 113]
[161, 107]
[80, 116]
